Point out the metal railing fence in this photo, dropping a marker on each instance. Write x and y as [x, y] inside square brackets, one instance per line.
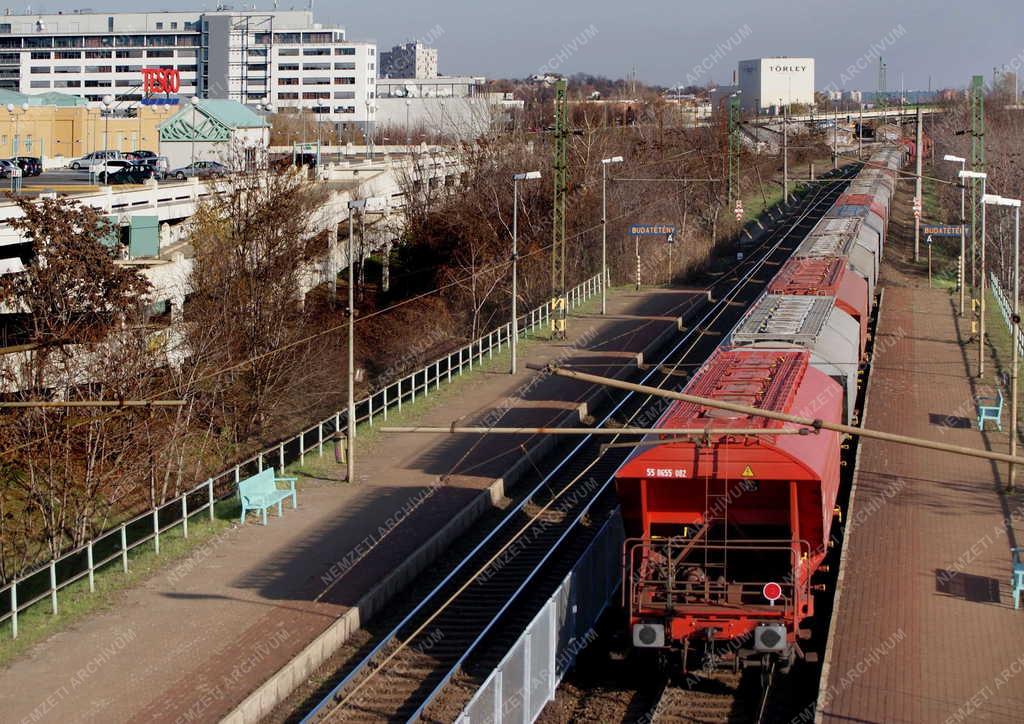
[1004, 308]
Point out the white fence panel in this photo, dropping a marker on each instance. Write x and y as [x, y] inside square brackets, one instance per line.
[525, 680]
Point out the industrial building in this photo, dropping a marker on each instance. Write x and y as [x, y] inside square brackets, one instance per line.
[277, 58]
[767, 83]
[412, 60]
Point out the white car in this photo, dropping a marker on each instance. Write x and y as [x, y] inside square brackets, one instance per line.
[102, 169]
[96, 158]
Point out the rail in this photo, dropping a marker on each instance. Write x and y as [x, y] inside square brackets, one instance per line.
[115, 543]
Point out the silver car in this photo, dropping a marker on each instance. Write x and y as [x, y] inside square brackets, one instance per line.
[96, 158]
[7, 168]
[201, 169]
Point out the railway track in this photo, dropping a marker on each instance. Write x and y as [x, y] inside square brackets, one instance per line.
[427, 653]
[748, 696]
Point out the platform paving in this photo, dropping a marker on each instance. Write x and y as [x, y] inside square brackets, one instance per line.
[924, 629]
[195, 639]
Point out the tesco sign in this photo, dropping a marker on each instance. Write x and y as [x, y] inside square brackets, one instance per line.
[157, 82]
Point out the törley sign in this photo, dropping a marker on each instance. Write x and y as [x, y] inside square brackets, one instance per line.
[787, 68]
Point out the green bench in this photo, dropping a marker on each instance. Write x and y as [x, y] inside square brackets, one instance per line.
[991, 408]
[260, 491]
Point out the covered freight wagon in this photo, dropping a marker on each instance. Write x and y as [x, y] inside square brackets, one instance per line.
[827, 277]
[814, 323]
[846, 238]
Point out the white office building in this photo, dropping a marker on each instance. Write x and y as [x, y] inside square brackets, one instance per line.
[255, 57]
[765, 83]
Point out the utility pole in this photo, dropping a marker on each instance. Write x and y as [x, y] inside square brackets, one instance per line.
[917, 186]
[354, 205]
[350, 458]
[975, 177]
[963, 231]
[785, 157]
[977, 165]
[734, 148]
[514, 337]
[561, 174]
[997, 200]
[1016, 341]
[835, 136]
[860, 134]
[604, 229]
[981, 318]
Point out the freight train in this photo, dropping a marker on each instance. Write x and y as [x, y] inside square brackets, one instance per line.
[725, 534]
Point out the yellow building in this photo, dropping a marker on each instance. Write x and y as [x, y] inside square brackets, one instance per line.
[55, 125]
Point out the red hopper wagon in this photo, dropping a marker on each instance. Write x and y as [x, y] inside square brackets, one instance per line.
[725, 532]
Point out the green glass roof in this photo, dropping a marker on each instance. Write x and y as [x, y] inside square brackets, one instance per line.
[50, 98]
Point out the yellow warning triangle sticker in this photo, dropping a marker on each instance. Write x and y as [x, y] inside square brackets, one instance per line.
[747, 472]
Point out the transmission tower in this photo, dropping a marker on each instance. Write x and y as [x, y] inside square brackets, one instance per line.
[734, 149]
[561, 173]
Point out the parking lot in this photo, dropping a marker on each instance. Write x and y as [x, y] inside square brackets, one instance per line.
[63, 181]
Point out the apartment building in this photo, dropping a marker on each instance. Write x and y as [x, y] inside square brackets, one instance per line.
[278, 58]
[412, 60]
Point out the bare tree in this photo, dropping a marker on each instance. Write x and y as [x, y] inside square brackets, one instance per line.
[66, 471]
[255, 242]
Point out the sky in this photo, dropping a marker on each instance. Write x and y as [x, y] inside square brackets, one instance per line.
[672, 42]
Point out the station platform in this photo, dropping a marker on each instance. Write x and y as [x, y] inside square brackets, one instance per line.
[193, 641]
[924, 628]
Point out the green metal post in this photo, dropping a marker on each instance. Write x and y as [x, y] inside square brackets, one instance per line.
[734, 149]
[561, 175]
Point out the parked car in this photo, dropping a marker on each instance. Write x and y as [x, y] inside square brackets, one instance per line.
[140, 155]
[135, 173]
[201, 169]
[30, 165]
[104, 169]
[96, 157]
[7, 168]
[160, 164]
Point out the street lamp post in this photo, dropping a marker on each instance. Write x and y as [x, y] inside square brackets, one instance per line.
[362, 204]
[16, 140]
[370, 110]
[604, 229]
[408, 105]
[108, 101]
[981, 313]
[963, 235]
[195, 104]
[1014, 323]
[514, 336]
